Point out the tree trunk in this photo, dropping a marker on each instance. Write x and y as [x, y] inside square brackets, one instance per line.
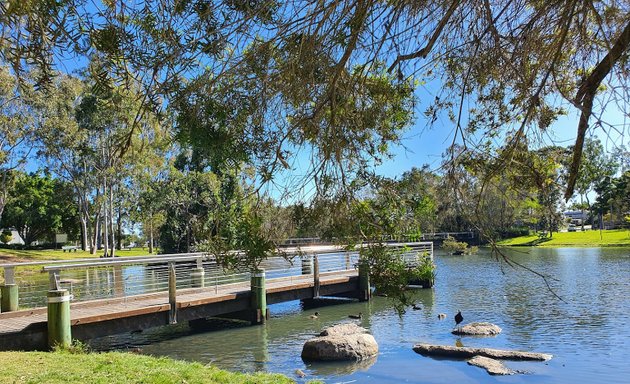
[105, 220]
[111, 220]
[582, 210]
[84, 234]
[97, 233]
[151, 233]
[119, 230]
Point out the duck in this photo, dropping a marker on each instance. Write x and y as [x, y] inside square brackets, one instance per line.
[442, 316]
[458, 318]
[416, 307]
[315, 315]
[359, 316]
[300, 373]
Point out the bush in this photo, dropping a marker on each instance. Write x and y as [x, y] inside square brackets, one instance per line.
[6, 236]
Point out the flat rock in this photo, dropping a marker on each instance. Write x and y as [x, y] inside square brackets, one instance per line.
[340, 342]
[478, 329]
[343, 329]
[494, 367]
[468, 352]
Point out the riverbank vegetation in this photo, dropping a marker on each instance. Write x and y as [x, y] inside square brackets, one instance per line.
[116, 367]
[605, 238]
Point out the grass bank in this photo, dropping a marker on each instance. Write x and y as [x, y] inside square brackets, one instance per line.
[609, 238]
[8, 255]
[116, 367]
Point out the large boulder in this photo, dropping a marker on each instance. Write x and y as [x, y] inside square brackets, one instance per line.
[478, 329]
[340, 342]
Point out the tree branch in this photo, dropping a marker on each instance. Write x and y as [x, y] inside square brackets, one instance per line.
[584, 97]
[427, 48]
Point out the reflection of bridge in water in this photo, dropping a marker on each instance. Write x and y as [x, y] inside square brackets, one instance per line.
[89, 298]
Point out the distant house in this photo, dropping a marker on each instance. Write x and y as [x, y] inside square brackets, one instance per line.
[15, 237]
[576, 215]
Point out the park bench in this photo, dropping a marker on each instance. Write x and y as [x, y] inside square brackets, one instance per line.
[69, 248]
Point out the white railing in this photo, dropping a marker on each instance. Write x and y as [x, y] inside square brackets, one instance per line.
[90, 279]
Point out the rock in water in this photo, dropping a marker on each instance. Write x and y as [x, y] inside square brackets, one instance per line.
[494, 367]
[340, 342]
[343, 329]
[478, 329]
[468, 352]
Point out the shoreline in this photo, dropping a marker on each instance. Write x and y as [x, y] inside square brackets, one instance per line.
[616, 238]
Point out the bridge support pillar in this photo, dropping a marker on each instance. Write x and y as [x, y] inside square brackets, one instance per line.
[9, 294]
[364, 281]
[259, 297]
[197, 278]
[59, 333]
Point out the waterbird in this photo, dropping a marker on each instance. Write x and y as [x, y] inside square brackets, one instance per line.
[458, 318]
[315, 315]
[359, 316]
[442, 316]
[416, 307]
[300, 373]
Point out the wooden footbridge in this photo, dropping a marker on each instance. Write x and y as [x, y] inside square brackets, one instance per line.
[89, 298]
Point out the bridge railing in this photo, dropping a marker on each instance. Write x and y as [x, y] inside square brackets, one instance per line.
[91, 279]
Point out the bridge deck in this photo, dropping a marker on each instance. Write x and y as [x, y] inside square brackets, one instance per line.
[96, 311]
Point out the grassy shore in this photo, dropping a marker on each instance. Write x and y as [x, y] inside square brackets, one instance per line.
[609, 238]
[8, 255]
[116, 367]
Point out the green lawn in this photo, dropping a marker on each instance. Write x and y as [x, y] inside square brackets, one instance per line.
[10, 255]
[610, 238]
[116, 367]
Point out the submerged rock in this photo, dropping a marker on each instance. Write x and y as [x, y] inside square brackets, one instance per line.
[492, 366]
[468, 352]
[478, 329]
[340, 342]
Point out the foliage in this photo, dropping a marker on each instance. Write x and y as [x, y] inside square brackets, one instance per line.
[16, 128]
[457, 247]
[391, 275]
[613, 198]
[40, 206]
[503, 67]
[6, 236]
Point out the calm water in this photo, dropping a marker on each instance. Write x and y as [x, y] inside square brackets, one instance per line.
[587, 334]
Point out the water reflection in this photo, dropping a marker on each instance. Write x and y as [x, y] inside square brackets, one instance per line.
[340, 368]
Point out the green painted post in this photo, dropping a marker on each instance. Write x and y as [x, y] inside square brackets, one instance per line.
[59, 333]
[9, 301]
[364, 281]
[197, 278]
[259, 297]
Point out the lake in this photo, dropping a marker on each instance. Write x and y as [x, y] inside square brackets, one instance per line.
[586, 331]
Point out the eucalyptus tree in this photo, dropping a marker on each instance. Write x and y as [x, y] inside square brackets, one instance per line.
[595, 166]
[81, 131]
[16, 129]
